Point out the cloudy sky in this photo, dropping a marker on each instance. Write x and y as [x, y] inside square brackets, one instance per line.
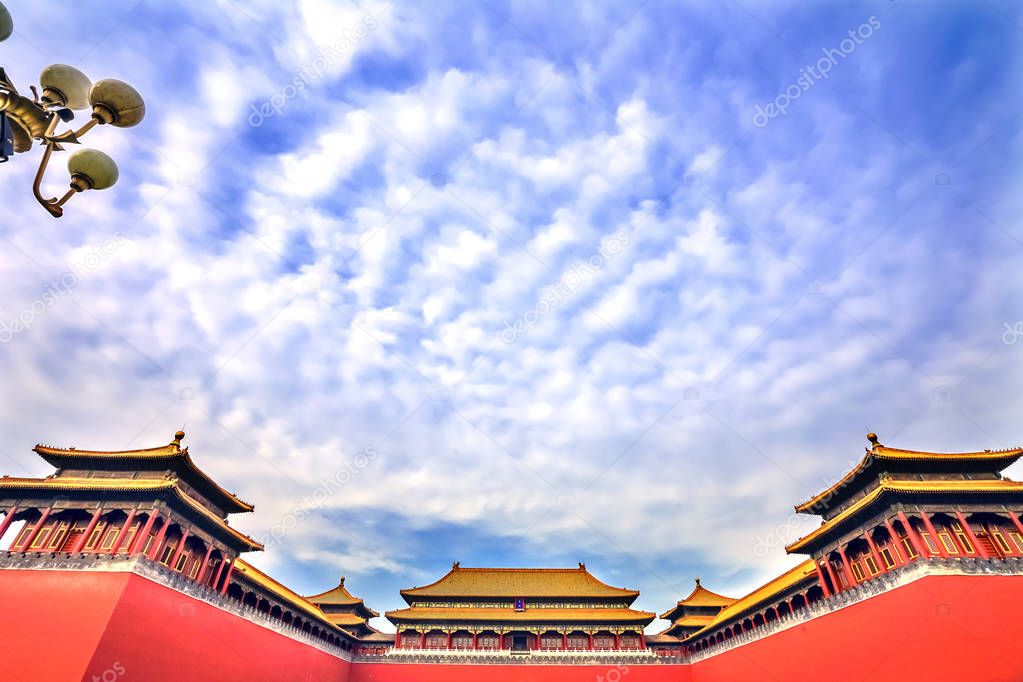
[521, 286]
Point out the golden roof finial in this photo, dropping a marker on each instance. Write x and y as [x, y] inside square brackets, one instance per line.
[872, 437]
[178, 437]
[697, 581]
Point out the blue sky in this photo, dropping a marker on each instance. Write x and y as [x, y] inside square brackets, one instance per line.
[513, 285]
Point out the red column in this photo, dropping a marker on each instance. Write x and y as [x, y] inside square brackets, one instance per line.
[220, 570]
[449, 640]
[847, 567]
[422, 641]
[227, 579]
[834, 577]
[159, 538]
[921, 549]
[80, 543]
[205, 562]
[642, 639]
[179, 550]
[9, 519]
[397, 639]
[877, 554]
[591, 641]
[973, 538]
[934, 534]
[140, 539]
[618, 641]
[564, 641]
[124, 531]
[38, 527]
[1015, 520]
[820, 578]
[475, 640]
[896, 541]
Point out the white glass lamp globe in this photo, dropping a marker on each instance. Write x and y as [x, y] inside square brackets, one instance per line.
[117, 103]
[93, 167]
[66, 84]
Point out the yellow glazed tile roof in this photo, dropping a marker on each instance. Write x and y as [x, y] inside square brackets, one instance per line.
[905, 486]
[700, 596]
[340, 596]
[761, 595]
[519, 582]
[999, 458]
[171, 451]
[693, 621]
[124, 484]
[257, 577]
[595, 615]
[346, 618]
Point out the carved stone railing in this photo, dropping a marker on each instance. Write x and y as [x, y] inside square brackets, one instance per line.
[896, 577]
[158, 573]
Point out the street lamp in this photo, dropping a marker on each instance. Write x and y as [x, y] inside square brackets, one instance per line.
[64, 88]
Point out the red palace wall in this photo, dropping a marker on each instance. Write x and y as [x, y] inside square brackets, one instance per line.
[383, 672]
[63, 626]
[938, 628]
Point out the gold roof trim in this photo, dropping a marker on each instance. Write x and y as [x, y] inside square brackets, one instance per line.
[700, 596]
[340, 596]
[172, 450]
[125, 484]
[885, 453]
[692, 621]
[285, 594]
[519, 582]
[762, 594]
[595, 615]
[904, 486]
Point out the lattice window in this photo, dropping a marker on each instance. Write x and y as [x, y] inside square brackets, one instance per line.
[1017, 540]
[58, 536]
[946, 540]
[963, 538]
[1000, 541]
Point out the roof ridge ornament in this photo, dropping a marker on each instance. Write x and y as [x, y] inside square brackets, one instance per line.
[872, 437]
[178, 437]
[697, 581]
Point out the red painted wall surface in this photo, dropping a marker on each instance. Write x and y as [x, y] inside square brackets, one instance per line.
[938, 629]
[382, 672]
[53, 622]
[63, 626]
